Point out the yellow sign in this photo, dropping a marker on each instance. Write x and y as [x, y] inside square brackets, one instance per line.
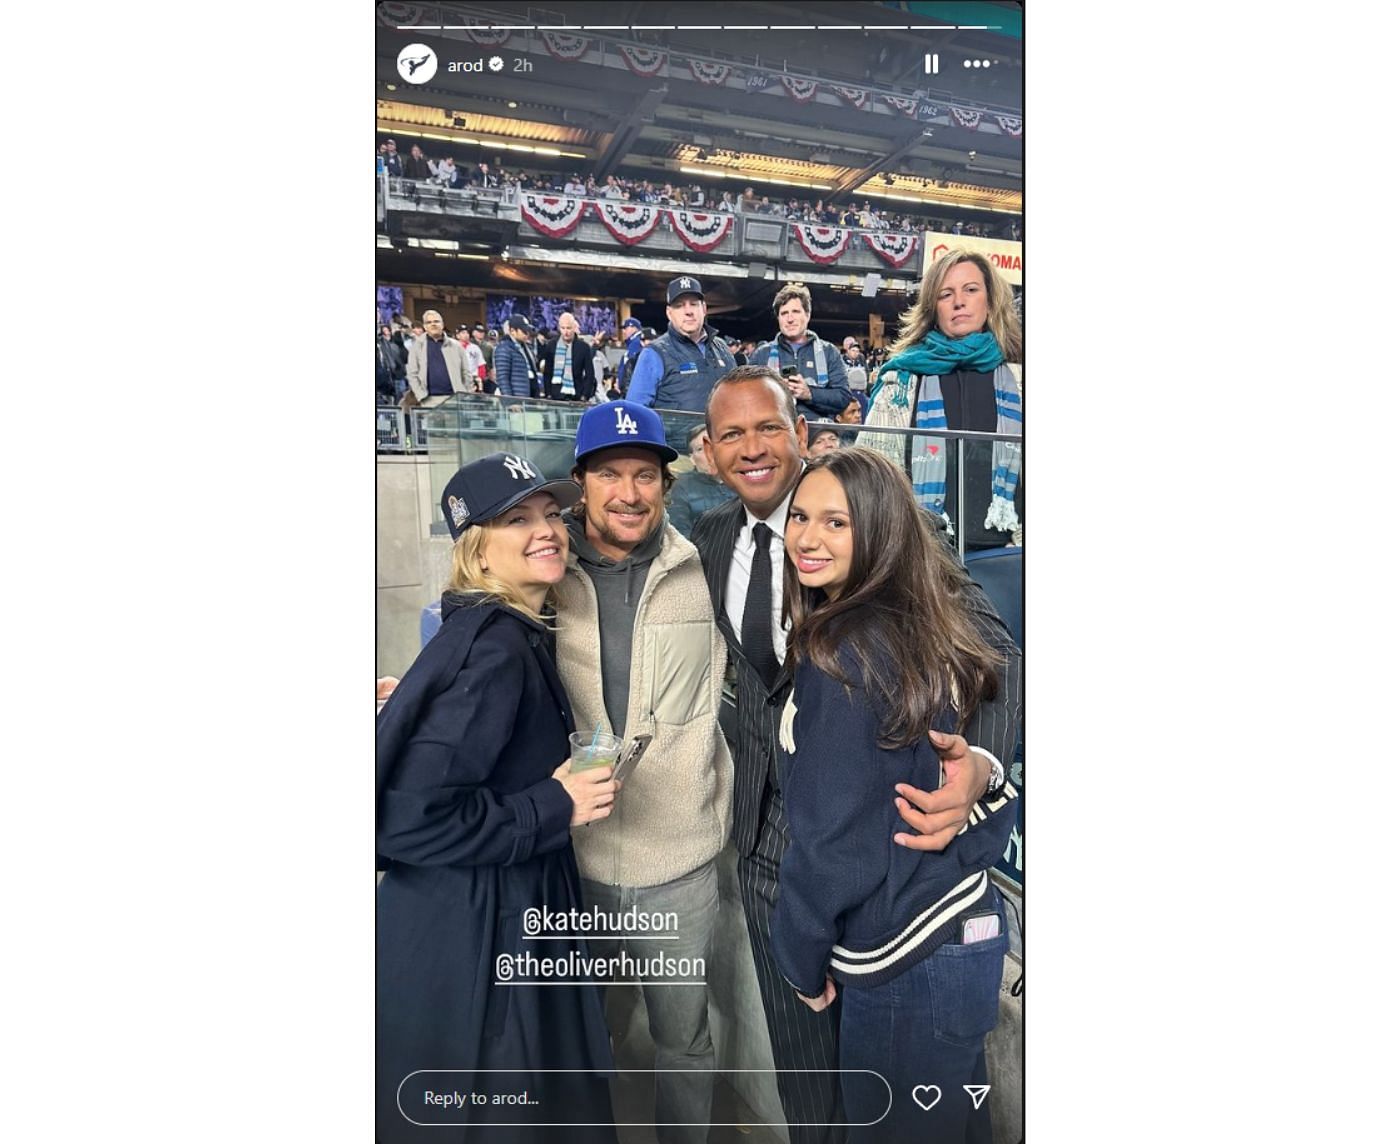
[1003, 254]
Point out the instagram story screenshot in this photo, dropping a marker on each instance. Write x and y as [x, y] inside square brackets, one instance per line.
[700, 494]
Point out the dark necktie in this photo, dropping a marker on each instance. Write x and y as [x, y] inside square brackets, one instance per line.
[757, 633]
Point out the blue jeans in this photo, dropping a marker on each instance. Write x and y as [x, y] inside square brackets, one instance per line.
[927, 1026]
[677, 1015]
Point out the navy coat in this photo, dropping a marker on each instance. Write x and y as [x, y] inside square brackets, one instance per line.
[585, 380]
[475, 831]
[516, 369]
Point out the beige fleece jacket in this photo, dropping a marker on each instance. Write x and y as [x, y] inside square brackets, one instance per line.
[673, 813]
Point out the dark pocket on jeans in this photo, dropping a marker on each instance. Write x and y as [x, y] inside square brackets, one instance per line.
[966, 984]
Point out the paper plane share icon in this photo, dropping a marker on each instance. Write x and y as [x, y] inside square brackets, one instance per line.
[978, 1092]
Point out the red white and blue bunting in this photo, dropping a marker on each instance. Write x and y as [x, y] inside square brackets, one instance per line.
[823, 244]
[554, 215]
[896, 249]
[855, 96]
[967, 117]
[711, 75]
[489, 37]
[802, 90]
[627, 222]
[701, 232]
[899, 103]
[563, 46]
[642, 61]
[395, 15]
[1010, 125]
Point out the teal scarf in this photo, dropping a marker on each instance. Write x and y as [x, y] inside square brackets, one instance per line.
[938, 354]
[932, 357]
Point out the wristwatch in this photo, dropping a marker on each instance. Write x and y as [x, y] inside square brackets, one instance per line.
[997, 779]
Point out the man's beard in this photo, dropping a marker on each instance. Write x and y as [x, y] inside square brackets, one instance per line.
[611, 535]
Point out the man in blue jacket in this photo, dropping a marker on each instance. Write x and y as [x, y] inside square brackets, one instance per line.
[678, 369]
[699, 490]
[516, 372]
[632, 331]
[812, 369]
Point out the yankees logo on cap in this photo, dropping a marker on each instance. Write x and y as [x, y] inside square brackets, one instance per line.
[483, 490]
[683, 285]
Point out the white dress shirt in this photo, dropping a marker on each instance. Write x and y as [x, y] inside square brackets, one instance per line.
[737, 588]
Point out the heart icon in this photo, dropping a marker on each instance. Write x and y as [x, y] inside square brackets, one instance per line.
[927, 1095]
[932, 450]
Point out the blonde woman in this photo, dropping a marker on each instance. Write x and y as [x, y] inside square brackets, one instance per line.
[956, 365]
[475, 802]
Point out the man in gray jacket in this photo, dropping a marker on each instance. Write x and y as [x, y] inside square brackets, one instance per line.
[437, 365]
[639, 653]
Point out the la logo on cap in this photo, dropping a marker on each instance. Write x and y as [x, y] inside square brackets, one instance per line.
[625, 424]
[518, 467]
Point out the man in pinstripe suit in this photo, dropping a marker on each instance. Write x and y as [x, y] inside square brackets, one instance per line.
[755, 442]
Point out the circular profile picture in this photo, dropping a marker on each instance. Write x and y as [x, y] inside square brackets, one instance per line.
[417, 63]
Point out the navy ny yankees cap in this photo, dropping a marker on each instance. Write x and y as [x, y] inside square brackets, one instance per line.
[621, 425]
[684, 285]
[481, 491]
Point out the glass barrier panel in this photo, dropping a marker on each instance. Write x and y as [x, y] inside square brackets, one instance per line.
[962, 477]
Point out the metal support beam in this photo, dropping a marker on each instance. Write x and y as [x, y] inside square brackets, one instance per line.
[623, 139]
[845, 185]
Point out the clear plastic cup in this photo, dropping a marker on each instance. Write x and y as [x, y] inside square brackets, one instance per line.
[587, 750]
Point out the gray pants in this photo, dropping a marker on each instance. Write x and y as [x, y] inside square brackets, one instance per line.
[677, 1015]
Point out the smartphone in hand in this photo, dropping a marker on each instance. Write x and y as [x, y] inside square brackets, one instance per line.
[631, 755]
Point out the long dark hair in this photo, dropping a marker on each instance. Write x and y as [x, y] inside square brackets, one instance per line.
[901, 613]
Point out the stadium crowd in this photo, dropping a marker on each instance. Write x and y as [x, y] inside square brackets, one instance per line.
[394, 342]
[448, 173]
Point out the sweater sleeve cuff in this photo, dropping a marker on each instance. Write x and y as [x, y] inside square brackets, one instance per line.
[542, 813]
[782, 959]
[813, 994]
[991, 758]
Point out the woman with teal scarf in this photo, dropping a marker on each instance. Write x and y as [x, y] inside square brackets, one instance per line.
[956, 365]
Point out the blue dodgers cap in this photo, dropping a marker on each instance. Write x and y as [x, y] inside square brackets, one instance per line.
[621, 425]
[631, 322]
[481, 491]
